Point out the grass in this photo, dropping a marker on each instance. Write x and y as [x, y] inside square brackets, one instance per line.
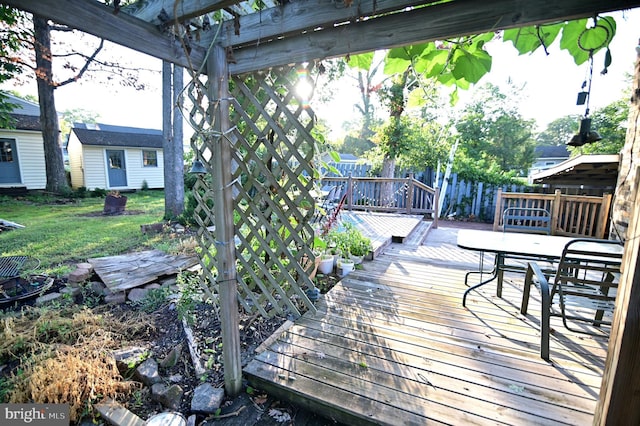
[59, 234]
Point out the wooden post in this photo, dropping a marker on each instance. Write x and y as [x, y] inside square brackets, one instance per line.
[498, 214]
[409, 193]
[350, 192]
[605, 206]
[436, 203]
[619, 401]
[555, 211]
[217, 70]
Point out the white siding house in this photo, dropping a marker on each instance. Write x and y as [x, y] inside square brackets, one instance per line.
[22, 164]
[115, 157]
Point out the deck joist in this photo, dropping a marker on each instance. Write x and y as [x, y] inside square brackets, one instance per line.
[392, 344]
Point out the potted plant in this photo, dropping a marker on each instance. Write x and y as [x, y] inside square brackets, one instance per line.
[326, 264]
[345, 266]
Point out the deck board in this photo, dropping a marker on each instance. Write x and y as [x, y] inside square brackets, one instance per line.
[392, 344]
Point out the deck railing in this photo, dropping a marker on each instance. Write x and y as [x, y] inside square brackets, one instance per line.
[571, 215]
[393, 195]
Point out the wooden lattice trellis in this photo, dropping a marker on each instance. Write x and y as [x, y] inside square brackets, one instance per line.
[272, 182]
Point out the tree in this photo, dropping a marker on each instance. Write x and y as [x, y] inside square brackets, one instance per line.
[559, 131]
[491, 129]
[33, 52]
[611, 124]
[9, 47]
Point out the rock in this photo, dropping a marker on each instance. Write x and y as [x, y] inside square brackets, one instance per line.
[48, 298]
[78, 276]
[191, 421]
[168, 282]
[175, 378]
[170, 397]
[98, 288]
[172, 357]
[116, 414]
[115, 298]
[137, 294]
[166, 419]
[85, 265]
[152, 286]
[206, 399]
[147, 372]
[129, 358]
[71, 291]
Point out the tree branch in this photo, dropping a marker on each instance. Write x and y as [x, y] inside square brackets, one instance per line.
[84, 67]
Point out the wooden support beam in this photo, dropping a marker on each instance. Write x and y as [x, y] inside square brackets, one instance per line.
[223, 210]
[446, 20]
[150, 10]
[101, 21]
[297, 17]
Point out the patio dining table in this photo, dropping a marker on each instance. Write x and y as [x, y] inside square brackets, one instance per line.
[525, 247]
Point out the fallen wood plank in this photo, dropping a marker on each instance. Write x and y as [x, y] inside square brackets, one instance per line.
[120, 273]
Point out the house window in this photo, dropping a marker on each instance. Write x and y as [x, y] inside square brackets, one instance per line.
[6, 152]
[149, 158]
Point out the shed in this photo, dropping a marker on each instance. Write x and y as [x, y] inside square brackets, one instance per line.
[583, 173]
[115, 157]
[22, 164]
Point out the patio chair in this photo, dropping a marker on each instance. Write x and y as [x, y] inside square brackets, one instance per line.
[327, 204]
[583, 288]
[526, 219]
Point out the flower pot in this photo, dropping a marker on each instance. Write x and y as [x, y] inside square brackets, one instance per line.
[326, 265]
[356, 259]
[345, 266]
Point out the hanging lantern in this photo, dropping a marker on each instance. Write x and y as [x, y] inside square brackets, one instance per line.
[198, 168]
[584, 135]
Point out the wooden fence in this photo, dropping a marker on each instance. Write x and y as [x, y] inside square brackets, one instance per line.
[398, 195]
[571, 215]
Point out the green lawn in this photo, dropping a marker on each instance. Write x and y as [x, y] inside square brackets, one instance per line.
[59, 234]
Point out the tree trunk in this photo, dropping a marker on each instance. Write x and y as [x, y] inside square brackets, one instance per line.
[172, 83]
[54, 163]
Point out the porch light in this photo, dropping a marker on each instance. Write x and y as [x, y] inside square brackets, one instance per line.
[198, 168]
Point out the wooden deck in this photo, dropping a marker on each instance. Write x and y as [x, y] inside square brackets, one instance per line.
[392, 344]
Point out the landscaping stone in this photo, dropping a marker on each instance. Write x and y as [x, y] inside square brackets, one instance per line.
[48, 298]
[116, 414]
[191, 421]
[137, 294]
[168, 282]
[85, 265]
[78, 276]
[152, 286]
[98, 288]
[128, 358]
[172, 357]
[206, 399]
[115, 298]
[72, 291]
[170, 396]
[147, 372]
[166, 419]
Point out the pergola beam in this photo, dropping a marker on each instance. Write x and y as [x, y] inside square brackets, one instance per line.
[101, 21]
[150, 10]
[447, 20]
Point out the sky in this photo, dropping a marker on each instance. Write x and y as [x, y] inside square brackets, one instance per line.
[551, 84]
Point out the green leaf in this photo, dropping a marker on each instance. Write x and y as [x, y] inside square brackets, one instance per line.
[470, 66]
[569, 41]
[416, 98]
[395, 65]
[362, 61]
[412, 51]
[528, 39]
[454, 97]
[433, 62]
[335, 156]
